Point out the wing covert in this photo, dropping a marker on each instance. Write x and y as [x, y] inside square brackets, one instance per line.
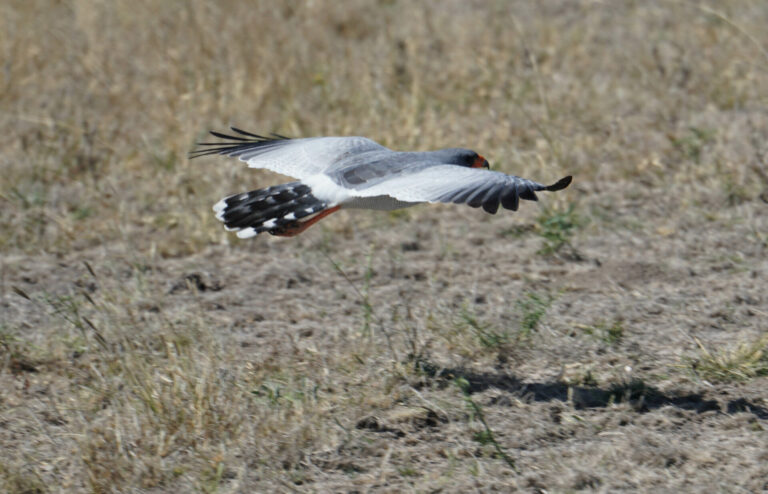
[298, 158]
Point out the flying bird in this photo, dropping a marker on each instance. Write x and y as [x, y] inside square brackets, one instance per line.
[355, 172]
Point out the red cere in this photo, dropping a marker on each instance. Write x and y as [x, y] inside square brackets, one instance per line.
[480, 162]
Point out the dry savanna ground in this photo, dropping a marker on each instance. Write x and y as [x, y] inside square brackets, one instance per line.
[612, 337]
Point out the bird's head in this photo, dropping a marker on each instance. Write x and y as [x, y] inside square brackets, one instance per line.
[462, 157]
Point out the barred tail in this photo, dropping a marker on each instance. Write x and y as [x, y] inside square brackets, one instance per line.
[267, 210]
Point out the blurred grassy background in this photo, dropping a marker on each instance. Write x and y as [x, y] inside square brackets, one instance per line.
[131, 373]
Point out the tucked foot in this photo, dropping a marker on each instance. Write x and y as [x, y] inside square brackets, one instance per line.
[295, 227]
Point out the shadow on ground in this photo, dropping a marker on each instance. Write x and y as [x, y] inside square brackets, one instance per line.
[642, 397]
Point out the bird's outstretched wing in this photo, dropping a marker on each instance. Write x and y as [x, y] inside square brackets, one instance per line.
[456, 184]
[298, 158]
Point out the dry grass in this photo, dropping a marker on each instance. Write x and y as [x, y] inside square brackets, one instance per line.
[747, 360]
[143, 349]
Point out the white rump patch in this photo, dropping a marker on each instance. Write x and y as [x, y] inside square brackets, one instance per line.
[326, 189]
[246, 233]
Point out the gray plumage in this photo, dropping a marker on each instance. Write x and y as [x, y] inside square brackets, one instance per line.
[356, 172]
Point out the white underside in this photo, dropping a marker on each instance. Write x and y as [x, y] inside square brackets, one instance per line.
[333, 194]
[381, 203]
[327, 190]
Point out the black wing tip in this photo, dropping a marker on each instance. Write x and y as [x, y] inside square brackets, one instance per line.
[491, 206]
[244, 140]
[560, 184]
[221, 135]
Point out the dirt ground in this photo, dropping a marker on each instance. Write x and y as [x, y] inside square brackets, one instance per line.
[611, 338]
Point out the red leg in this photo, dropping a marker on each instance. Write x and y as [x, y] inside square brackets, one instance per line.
[297, 227]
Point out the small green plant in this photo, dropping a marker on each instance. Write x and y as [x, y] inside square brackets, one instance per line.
[692, 143]
[614, 333]
[270, 393]
[70, 309]
[369, 314]
[556, 226]
[11, 345]
[487, 335]
[747, 360]
[533, 307]
[485, 436]
[82, 212]
[367, 307]
[364, 294]
[211, 477]
[610, 334]
[407, 472]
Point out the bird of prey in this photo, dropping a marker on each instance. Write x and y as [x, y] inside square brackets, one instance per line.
[355, 172]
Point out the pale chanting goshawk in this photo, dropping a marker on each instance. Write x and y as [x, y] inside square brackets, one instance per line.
[355, 172]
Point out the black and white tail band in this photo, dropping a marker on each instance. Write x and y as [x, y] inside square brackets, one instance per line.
[267, 209]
